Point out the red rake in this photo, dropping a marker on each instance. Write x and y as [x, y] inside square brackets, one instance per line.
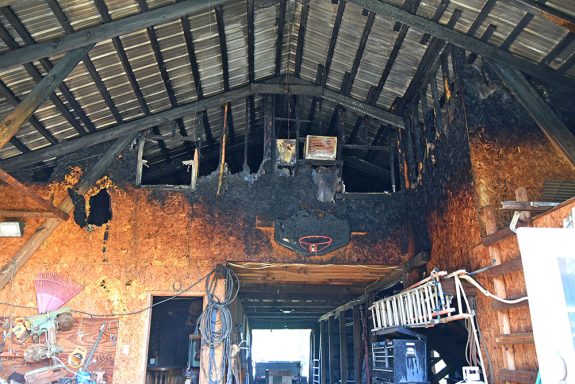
[54, 290]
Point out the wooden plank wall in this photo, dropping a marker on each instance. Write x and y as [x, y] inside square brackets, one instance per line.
[83, 334]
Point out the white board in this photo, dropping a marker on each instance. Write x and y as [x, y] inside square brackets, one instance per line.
[548, 256]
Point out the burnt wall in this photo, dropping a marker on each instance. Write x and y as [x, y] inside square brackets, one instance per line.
[158, 241]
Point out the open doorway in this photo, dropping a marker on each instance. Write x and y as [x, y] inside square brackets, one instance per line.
[281, 355]
[173, 346]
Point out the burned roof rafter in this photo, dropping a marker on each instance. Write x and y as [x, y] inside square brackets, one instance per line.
[37, 77]
[466, 42]
[147, 122]
[301, 37]
[135, 86]
[280, 36]
[103, 32]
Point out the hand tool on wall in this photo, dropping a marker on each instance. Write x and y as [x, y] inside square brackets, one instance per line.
[84, 376]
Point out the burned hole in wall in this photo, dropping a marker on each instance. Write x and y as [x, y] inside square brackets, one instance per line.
[98, 211]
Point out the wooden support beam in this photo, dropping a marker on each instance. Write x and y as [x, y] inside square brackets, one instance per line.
[301, 37]
[490, 222]
[514, 376]
[148, 122]
[47, 64]
[37, 77]
[538, 8]
[504, 268]
[343, 364]
[499, 306]
[12, 99]
[357, 353]
[435, 18]
[50, 225]
[8, 179]
[103, 32]
[280, 35]
[251, 40]
[465, 41]
[19, 115]
[515, 338]
[134, 84]
[90, 67]
[426, 66]
[564, 43]
[489, 31]
[333, 41]
[223, 46]
[158, 55]
[331, 348]
[551, 125]
[26, 214]
[323, 359]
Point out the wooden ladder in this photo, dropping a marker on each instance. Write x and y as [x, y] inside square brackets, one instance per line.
[506, 339]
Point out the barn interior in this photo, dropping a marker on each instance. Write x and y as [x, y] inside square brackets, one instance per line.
[175, 174]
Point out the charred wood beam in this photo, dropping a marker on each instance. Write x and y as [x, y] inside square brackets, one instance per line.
[318, 80]
[426, 66]
[485, 38]
[8, 179]
[188, 38]
[349, 78]
[11, 97]
[367, 167]
[251, 40]
[564, 43]
[223, 46]
[47, 64]
[119, 48]
[50, 225]
[360, 51]
[519, 27]
[551, 125]
[435, 18]
[301, 37]
[158, 55]
[231, 131]
[466, 42]
[355, 131]
[90, 67]
[411, 7]
[37, 77]
[103, 32]
[380, 136]
[280, 35]
[485, 10]
[148, 122]
[538, 8]
[333, 41]
[14, 120]
[567, 65]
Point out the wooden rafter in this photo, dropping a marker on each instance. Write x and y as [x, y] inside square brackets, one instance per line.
[47, 64]
[466, 42]
[333, 41]
[158, 55]
[196, 75]
[8, 179]
[223, 46]
[551, 125]
[119, 48]
[147, 122]
[564, 43]
[50, 225]
[37, 77]
[301, 37]
[19, 115]
[103, 32]
[90, 67]
[539, 8]
[280, 35]
[251, 40]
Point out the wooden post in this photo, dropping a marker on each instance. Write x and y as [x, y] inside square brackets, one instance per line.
[19, 115]
[331, 337]
[49, 226]
[343, 371]
[140, 161]
[268, 126]
[323, 359]
[7, 178]
[356, 345]
[490, 219]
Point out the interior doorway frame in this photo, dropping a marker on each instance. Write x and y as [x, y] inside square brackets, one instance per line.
[148, 323]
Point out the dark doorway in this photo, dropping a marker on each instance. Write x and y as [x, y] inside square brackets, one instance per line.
[172, 334]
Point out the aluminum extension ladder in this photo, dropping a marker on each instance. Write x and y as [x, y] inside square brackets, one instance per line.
[421, 305]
